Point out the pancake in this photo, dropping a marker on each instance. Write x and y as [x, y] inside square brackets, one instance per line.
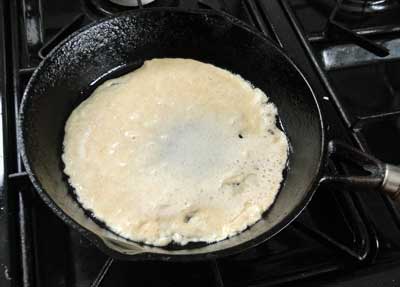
[175, 151]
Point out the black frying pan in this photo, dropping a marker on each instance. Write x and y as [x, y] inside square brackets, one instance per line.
[61, 82]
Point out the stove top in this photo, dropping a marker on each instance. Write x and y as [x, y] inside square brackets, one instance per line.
[345, 236]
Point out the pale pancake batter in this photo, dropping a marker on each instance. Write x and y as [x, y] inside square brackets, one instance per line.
[177, 150]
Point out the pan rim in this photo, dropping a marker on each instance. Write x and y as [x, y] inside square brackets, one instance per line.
[98, 240]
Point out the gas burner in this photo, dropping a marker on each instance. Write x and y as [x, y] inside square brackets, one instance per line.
[100, 8]
[131, 3]
[367, 6]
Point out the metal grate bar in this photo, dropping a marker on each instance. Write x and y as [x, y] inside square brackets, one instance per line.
[61, 35]
[27, 71]
[247, 12]
[257, 18]
[217, 274]
[25, 241]
[103, 272]
[32, 20]
[318, 37]
[296, 45]
[323, 238]
[363, 121]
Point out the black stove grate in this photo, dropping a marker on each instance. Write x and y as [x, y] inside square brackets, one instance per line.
[365, 89]
[336, 232]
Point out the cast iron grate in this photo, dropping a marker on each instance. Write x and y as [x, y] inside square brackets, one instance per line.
[309, 246]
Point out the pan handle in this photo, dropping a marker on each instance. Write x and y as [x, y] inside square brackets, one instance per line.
[379, 176]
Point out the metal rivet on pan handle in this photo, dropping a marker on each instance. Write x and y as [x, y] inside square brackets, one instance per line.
[391, 182]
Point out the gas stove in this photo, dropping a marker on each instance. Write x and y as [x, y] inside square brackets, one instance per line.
[350, 53]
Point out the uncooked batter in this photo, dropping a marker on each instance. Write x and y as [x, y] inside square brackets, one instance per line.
[177, 150]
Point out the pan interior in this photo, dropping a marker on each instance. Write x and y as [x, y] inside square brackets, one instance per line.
[124, 42]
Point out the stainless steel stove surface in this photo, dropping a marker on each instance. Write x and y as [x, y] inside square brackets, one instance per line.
[349, 51]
